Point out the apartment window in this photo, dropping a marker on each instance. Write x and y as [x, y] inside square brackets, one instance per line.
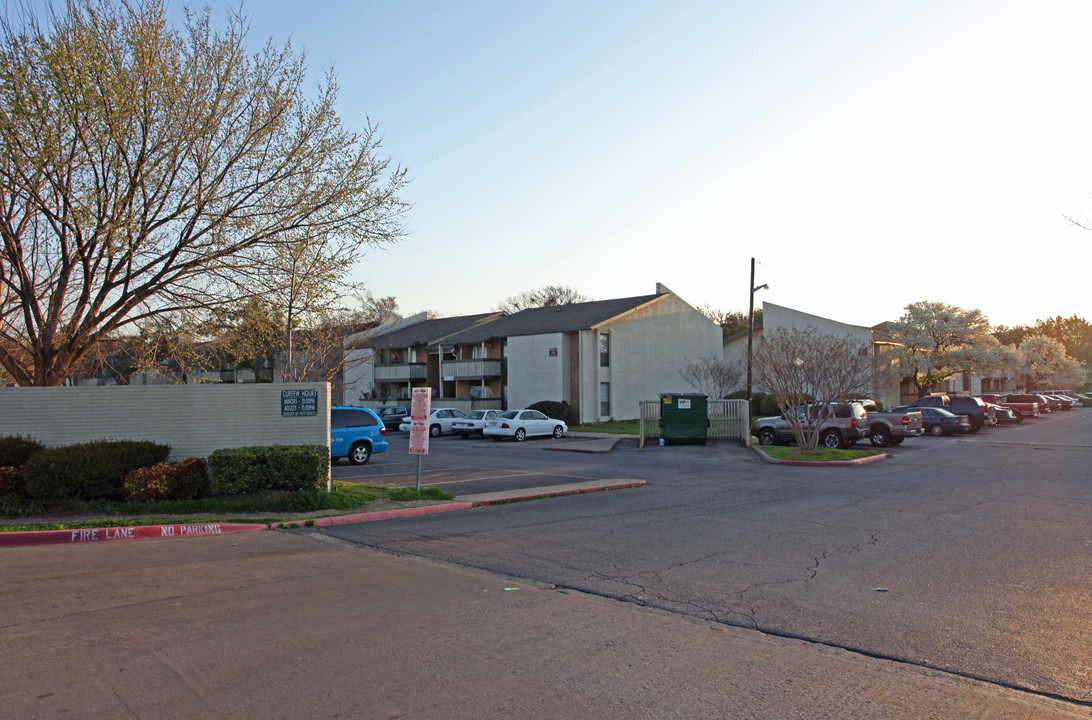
[604, 399]
[604, 350]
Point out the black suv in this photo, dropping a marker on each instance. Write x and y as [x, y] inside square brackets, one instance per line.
[392, 415]
[974, 408]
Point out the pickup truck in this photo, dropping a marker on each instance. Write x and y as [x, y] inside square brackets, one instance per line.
[1023, 405]
[891, 428]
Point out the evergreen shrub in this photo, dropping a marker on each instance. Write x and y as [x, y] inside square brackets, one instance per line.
[558, 410]
[15, 450]
[247, 470]
[88, 471]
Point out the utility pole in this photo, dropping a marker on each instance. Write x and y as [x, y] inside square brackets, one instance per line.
[751, 326]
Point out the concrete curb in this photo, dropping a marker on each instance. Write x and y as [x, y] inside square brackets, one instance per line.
[757, 449]
[114, 534]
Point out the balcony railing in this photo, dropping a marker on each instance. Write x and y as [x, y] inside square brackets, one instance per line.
[401, 373]
[472, 369]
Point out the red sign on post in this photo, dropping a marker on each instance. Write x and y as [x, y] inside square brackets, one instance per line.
[419, 412]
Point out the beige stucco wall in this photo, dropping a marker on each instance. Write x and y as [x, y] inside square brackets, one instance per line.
[648, 349]
[538, 369]
[194, 420]
[774, 317]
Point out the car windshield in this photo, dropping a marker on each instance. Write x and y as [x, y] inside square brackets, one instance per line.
[475, 414]
[510, 414]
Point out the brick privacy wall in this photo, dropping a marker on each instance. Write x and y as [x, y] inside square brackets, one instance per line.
[194, 420]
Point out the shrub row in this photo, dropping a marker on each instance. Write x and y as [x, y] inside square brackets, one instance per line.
[89, 471]
[137, 471]
[15, 451]
[247, 470]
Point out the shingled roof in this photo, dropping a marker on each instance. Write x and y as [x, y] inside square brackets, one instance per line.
[553, 319]
[427, 332]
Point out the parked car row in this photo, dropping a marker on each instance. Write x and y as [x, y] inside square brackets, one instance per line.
[516, 424]
[936, 415]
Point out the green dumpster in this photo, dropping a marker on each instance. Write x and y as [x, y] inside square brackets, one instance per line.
[684, 418]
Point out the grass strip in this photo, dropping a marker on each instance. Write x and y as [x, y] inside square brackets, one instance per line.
[819, 454]
[343, 499]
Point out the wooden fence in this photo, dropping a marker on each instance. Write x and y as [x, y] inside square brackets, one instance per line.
[728, 420]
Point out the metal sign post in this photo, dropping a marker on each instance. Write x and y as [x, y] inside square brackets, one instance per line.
[418, 439]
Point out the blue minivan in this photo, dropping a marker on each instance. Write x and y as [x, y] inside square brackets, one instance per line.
[356, 433]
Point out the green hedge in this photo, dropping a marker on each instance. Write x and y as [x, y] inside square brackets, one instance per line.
[557, 410]
[88, 471]
[247, 470]
[12, 481]
[16, 450]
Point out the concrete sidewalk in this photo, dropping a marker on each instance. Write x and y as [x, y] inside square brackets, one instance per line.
[279, 625]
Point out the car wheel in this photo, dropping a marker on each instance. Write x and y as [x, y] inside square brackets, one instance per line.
[897, 441]
[832, 440]
[360, 453]
[975, 427]
[1019, 416]
[558, 431]
[879, 437]
[520, 435]
[766, 436]
[434, 431]
[936, 429]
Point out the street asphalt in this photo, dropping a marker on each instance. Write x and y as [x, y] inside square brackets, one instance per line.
[298, 625]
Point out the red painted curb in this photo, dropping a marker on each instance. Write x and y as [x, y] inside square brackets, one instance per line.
[114, 534]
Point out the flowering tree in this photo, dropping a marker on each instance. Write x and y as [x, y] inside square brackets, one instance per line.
[810, 375]
[938, 340]
[1044, 364]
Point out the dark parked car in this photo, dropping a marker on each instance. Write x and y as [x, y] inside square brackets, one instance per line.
[939, 421]
[392, 415]
[974, 408]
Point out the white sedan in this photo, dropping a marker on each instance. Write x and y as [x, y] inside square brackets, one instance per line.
[521, 424]
[473, 423]
[439, 421]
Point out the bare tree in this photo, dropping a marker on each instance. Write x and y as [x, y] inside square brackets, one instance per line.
[711, 376]
[731, 322]
[547, 296]
[810, 375]
[146, 171]
[324, 345]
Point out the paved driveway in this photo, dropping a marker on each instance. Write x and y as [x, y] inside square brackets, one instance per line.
[971, 555]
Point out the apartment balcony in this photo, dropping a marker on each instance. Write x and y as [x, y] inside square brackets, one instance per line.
[402, 372]
[471, 369]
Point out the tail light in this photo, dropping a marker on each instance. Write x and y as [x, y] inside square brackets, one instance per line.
[853, 422]
[383, 430]
[905, 419]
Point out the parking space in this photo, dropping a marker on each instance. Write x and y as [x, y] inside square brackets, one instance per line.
[461, 466]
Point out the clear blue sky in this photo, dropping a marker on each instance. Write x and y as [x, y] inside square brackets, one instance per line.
[867, 153]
